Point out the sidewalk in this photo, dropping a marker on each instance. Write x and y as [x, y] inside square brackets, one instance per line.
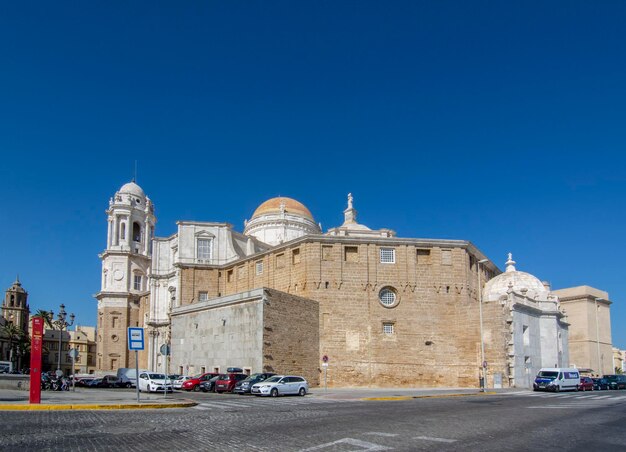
[88, 399]
[111, 399]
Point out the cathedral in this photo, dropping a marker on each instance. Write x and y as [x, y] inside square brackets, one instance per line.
[351, 306]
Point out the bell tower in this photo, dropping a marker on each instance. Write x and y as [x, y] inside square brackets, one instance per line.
[15, 306]
[126, 265]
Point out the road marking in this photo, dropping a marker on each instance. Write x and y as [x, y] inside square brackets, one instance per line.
[438, 440]
[389, 435]
[601, 397]
[351, 441]
[225, 404]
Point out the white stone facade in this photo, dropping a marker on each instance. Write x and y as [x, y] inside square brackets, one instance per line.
[538, 329]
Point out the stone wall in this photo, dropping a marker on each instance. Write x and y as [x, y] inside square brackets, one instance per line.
[436, 332]
[291, 335]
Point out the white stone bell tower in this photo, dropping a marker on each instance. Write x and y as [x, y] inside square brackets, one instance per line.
[125, 268]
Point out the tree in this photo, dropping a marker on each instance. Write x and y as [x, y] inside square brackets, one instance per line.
[16, 337]
[46, 316]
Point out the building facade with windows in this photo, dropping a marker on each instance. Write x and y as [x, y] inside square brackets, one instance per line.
[385, 310]
[590, 339]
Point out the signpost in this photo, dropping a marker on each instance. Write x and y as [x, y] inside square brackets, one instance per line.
[136, 342]
[73, 354]
[325, 366]
[165, 351]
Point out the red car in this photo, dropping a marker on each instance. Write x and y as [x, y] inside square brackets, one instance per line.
[193, 384]
[226, 382]
[586, 384]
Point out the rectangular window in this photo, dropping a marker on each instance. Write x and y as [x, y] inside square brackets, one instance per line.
[114, 322]
[259, 268]
[203, 296]
[229, 276]
[351, 254]
[327, 252]
[526, 335]
[204, 249]
[202, 370]
[137, 282]
[295, 256]
[446, 257]
[280, 260]
[388, 328]
[387, 256]
[423, 257]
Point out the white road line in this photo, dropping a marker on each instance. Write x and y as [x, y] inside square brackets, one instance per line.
[438, 440]
[389, 435]
[364, 445]
[601, 397]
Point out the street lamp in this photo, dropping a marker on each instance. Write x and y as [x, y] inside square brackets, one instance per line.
[60, 324]
[600, 371]
[482, 341]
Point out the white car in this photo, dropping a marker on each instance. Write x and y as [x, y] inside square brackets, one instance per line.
[281, 385]
[178, 383]
[151, 382]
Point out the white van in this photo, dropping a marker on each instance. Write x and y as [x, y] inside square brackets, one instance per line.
[557, 379]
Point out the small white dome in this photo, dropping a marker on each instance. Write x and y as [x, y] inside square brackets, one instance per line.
[133, 189]
[519, 282]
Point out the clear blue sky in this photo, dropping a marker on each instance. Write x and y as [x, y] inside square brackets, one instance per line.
[502, 123]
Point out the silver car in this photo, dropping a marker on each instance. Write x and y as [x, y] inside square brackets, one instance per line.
[281, 385]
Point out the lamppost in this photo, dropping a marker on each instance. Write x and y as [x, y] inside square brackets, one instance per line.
[60, 324]
[600, 371]
[482, 341]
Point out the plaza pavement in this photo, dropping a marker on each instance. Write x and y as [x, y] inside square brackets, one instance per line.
[112, 399]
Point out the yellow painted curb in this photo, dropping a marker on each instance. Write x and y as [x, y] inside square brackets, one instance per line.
[114, 406]
[437, 396]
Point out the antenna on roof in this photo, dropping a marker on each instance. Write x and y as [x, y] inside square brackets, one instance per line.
[135, 177]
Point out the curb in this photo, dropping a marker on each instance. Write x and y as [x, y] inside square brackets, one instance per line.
[438, 396]
[84, 407]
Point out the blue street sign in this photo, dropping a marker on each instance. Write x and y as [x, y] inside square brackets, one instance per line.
[135, 339]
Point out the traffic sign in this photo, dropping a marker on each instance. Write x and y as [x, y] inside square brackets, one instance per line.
[165, 349]
[135, 339]
[73, 353]
[325, 358]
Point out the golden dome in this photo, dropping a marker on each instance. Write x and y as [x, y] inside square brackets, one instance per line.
[275, 205]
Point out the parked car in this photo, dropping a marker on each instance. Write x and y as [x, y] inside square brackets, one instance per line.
[227, 382]
[586, 384]
[616, 381]
[153, 382]
[83, 381]
[178, 383]
[281, 385]
[109, 381]
[600, 383]
[209, 385]
[245, 386]
[95, 383]
[193, 384]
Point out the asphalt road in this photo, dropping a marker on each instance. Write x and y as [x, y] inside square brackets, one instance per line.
[504, 422]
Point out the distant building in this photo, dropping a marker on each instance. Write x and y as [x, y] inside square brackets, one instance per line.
[14, 325]
[81, 338]
[619, 361]
[588, 310]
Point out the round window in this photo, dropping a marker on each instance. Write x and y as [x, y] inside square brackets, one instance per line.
[388, 297]
[115, 338]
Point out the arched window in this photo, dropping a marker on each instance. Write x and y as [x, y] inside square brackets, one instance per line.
[136, 232]
[123, 232]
